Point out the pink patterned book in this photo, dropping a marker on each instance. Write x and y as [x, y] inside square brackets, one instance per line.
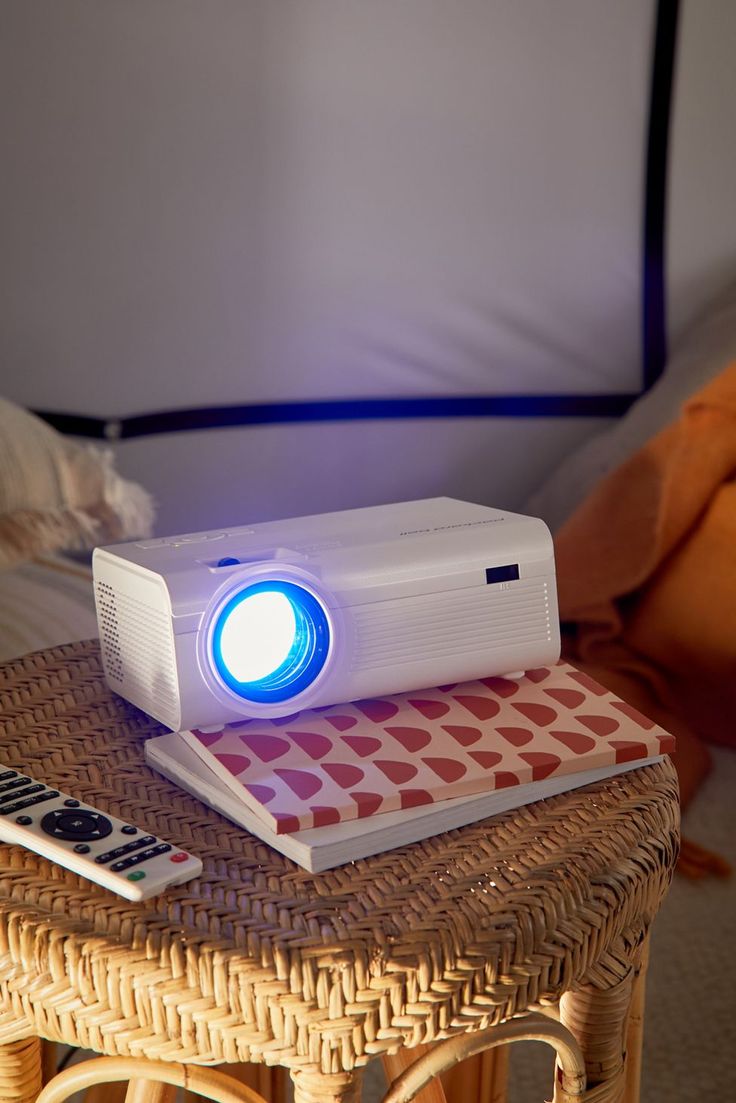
[330, 765]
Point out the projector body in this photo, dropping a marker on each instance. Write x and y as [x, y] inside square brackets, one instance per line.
[377, 601]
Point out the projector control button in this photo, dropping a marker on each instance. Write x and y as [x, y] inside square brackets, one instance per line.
[82, 825]
[193, 538]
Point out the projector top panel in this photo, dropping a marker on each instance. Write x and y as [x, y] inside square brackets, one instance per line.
[359, 555]
[430, 521]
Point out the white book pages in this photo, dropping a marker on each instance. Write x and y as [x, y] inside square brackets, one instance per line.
[320, 848]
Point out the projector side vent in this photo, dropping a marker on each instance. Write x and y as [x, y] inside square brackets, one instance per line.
[454, 622]
[137, 645]
[107, 620]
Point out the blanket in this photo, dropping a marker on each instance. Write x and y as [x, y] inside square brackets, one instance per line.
[647, 584]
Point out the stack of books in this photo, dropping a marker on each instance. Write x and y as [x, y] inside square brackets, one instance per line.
[333, 785]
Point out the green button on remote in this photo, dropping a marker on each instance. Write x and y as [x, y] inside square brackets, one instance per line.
[137, 876]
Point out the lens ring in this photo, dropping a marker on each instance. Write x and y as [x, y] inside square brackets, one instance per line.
[306, 656]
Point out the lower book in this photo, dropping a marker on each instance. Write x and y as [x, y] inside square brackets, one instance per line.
[321, 848]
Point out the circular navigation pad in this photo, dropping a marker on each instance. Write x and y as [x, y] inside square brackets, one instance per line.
[76, 825]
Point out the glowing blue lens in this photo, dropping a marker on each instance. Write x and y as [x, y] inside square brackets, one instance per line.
[270, 641]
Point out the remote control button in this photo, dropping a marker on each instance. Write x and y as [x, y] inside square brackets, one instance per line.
[21, 792]
[24, 820]
[82, 825]
[137, 876]
[17, 784]
[103, 859]
[81, 848]
[143, 856]
[40, 799]
[7, 774]
[180, 857]
[118, 852]
[71, 803]
[129, 829]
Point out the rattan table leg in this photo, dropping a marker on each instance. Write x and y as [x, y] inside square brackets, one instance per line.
[597, 1013]
[315, 1087]
[144, 1091]
[20, 1071]
[270, 1081]
[482, 1078]
[635, 1030]
[479, 1079]
[49, 1059]
[394, 1064]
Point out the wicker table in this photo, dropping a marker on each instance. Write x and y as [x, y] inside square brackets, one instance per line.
[259, 961]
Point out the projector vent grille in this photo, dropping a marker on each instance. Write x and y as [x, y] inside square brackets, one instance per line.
[138, 651]
[107, 619]
[452, 623]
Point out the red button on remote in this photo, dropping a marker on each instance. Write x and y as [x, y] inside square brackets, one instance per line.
[178, 857]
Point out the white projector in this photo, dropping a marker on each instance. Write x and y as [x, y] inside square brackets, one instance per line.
[209, 628]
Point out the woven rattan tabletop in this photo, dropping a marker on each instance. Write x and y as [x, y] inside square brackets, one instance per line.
[260, 960]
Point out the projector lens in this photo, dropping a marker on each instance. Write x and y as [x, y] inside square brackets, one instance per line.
[270, 641]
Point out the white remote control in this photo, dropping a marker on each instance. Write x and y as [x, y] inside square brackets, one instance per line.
[111, 852]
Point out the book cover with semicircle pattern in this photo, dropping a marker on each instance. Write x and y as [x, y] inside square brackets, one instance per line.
[324, 766]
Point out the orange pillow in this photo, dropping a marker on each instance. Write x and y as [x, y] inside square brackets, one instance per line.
[684, 622]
